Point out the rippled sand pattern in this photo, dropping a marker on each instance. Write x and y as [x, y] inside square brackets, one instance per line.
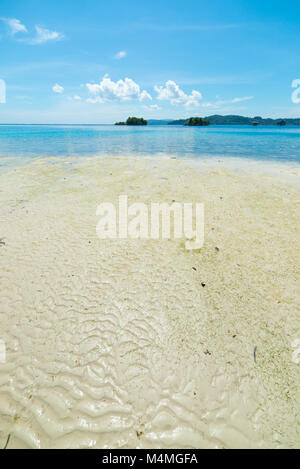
[140, 344]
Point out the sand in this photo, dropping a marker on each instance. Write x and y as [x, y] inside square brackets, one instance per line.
[118, 343]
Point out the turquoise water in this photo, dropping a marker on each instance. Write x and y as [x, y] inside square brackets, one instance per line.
[24, 142]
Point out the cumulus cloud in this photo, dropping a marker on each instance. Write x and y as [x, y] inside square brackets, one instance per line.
[122, 90]
[144, 95]
[45, 35]
[15, 25]
[58, 89]
[121, 54]
[171, 92]
[76, 97]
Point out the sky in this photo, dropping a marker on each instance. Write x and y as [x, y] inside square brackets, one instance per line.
[96, 61]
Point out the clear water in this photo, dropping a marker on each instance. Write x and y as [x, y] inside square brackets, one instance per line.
[21, 143]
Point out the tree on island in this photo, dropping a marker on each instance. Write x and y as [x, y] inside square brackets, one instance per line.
[196, 121]
[133, 121]
[136, 121]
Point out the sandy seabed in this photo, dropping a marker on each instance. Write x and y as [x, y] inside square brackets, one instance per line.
[141, 343]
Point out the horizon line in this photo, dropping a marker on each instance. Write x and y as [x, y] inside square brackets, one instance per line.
[159, 119]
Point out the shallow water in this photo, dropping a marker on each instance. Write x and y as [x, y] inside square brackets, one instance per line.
[21, 143]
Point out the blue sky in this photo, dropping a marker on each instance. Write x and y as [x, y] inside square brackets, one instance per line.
[96, 61]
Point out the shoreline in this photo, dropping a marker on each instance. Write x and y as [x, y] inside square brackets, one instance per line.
[279, 168]
[117, 343]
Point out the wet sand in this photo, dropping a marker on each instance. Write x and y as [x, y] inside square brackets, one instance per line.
[141, 343]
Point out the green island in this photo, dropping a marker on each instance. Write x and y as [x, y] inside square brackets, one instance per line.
[133, 121]
[197, 121]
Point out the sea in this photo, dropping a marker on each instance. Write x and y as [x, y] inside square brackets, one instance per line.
[20, 144]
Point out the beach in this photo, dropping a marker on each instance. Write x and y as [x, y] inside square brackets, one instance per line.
[131, 343]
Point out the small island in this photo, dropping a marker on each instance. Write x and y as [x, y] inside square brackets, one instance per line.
[197, 121]
[133, 121]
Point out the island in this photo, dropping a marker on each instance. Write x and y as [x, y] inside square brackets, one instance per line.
[133, 121]
[213, 120]
[239, 120]
[197, 121]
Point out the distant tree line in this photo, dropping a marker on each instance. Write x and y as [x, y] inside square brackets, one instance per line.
[213, 120]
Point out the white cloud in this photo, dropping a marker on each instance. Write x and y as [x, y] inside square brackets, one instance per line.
[152, 107]
[95, 100]
[15, 25]
[45, 35]
[234, 100]
[42, 35]
[208, 105]
[58, 89]
[122, 90]
[220, 103]
[144, 95]
[245, 98]
[175, 95]
[75, 97]
[121, 54]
